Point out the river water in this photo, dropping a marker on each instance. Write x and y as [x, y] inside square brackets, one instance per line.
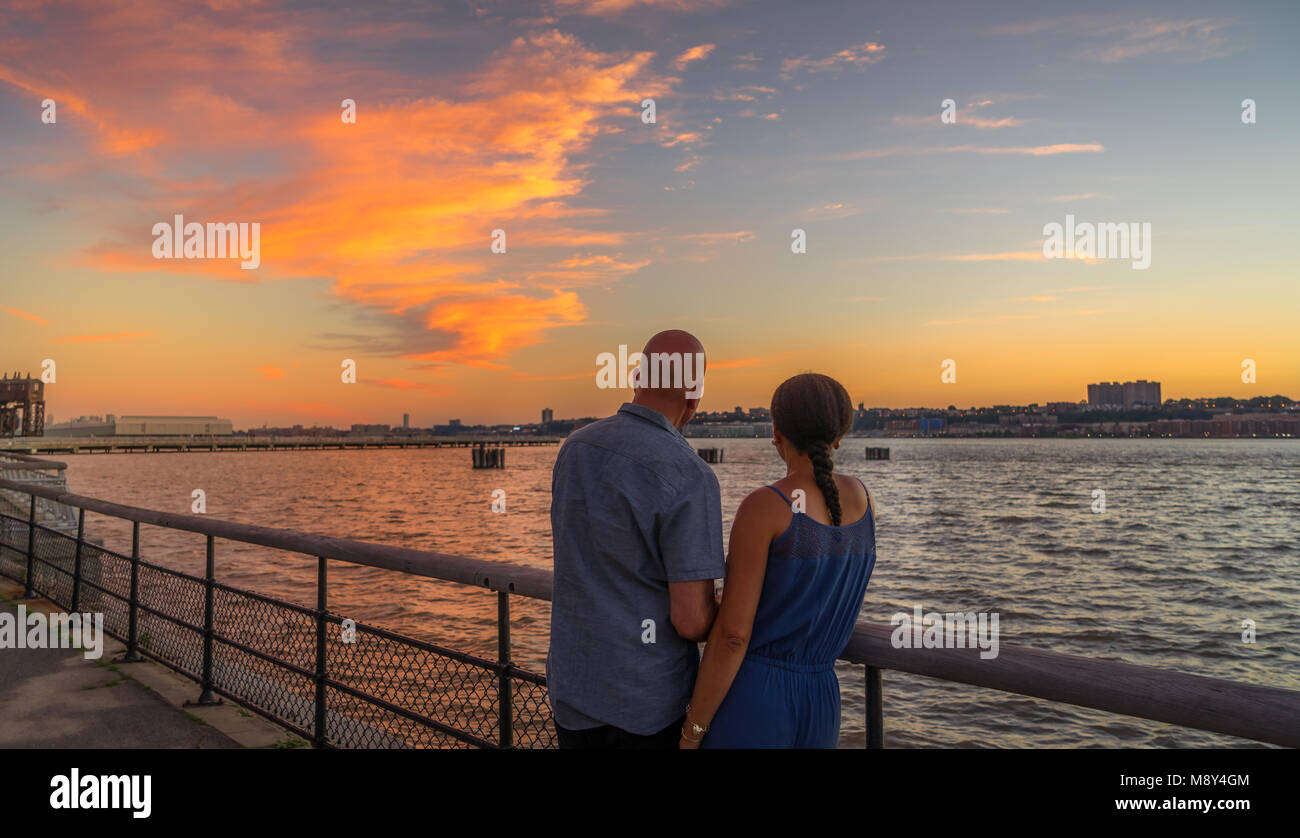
[1196, 536]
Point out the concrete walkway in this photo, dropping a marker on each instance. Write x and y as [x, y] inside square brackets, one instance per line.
[56, 698]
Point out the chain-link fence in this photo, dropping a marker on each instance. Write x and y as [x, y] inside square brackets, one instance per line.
[337, 683]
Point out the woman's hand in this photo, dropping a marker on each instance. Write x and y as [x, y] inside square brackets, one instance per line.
[685, 744]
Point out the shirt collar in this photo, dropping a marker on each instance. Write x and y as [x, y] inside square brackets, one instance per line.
[650, 415]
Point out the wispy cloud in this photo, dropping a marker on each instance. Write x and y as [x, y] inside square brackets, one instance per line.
[102, 338]
[617, 7]
[855, 56]
[40, 321]
[834, 211]
[697, 53]
[963, 118]
[997, 318]
[269, 371]
[976, 211]
[1081, 196]
[1031, 150]
[405, 384]
[1116, 38]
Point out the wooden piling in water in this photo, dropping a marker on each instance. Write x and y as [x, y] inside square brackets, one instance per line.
[710, 455]
[484, 457]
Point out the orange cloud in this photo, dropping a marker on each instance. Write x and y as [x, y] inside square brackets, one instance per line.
[269, 371]
[40, 321]
[697, 53]
[397, 209]
[861, 55]
[616, 7]
[1034, 151]
[404, 384]
[101, 338]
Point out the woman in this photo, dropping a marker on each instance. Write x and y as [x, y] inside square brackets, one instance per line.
[796, 575]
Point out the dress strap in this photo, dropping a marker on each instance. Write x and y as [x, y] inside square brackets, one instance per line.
[871, 507]
[779, 492]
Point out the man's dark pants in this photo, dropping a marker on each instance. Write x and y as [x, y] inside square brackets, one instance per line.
[610, 738]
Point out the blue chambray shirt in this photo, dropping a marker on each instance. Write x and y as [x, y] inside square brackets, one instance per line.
[633, 507]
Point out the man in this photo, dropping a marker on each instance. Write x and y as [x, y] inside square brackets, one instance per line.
[636, 518]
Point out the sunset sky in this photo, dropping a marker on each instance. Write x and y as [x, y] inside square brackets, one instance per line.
[924, 239]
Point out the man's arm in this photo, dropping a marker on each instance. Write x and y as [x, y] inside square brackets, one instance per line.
[690, 538]
[692, 608]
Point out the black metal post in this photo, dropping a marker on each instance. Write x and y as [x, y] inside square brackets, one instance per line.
[322, 734]
[29, 592]
[875, 711]
[133, 614]
[207, 696]
[76, 562]
[505, 698]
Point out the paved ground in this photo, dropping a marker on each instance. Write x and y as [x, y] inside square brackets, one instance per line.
[56, 698]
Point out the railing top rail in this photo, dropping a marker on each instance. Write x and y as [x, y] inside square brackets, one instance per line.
[1266, 714]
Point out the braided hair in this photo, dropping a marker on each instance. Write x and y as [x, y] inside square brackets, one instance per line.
[813, 411]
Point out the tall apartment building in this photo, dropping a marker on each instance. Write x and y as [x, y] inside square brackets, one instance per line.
[1113, 394]
[1141, 392]
[1105, 394]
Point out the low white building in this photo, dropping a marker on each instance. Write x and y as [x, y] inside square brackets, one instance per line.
[144, 426]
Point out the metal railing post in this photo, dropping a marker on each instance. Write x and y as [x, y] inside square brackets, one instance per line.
[207, 696]
[505, 698]
[874, 710]
[76, 562]
[29, 592]
[133, 612]
[322, 734]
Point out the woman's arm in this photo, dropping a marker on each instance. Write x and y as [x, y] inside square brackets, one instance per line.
[751, 536]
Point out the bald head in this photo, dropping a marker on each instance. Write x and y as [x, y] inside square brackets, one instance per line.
[672, 375]
[674, 340]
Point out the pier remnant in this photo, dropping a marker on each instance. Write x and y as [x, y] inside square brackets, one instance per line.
[22, 406]
[711, 455]
[484, 457]
[877, 453]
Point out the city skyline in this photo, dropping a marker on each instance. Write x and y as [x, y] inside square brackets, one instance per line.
[924, 237]
[548, 414]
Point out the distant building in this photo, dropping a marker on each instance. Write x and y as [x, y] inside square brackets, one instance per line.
[372, 430]
[548, 416]
[111, 425]
[1141, 392]
[1113, 395]
[1105, 395]
[761, 430]
[406, 421]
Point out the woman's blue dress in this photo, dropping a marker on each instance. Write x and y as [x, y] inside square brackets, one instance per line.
[786, 694]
